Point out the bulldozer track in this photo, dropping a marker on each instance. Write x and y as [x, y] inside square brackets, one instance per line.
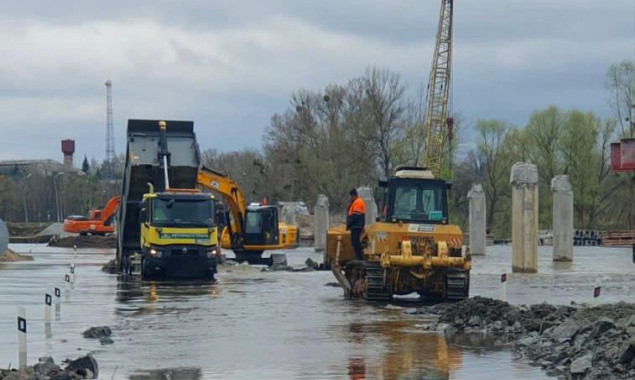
[375, 288]
[456, 285]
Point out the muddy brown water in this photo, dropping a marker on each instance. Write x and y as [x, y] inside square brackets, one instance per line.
[277, 325]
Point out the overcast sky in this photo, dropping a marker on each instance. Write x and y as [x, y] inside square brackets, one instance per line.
[229, 65]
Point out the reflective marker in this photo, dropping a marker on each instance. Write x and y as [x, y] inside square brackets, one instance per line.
[503, 288]
[21, 338]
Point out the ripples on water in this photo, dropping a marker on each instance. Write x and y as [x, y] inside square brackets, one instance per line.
[273, 325]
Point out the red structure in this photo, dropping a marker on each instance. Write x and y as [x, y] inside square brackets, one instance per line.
[68, 149]
[622, 160]
[623, 155]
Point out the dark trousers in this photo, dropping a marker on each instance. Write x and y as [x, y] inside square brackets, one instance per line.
[357, 245]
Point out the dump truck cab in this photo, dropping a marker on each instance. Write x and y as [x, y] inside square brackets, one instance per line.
[179, 235]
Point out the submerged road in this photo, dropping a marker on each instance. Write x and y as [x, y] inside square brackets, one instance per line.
[276, 325]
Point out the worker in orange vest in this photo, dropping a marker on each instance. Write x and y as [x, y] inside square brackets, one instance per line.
[355, 219]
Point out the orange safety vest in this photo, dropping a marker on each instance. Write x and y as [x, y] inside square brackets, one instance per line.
[357, 207]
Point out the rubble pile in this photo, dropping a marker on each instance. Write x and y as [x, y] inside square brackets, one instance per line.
[85, 367]
[572, 342]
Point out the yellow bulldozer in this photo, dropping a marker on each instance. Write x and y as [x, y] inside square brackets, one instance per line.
[411, 248]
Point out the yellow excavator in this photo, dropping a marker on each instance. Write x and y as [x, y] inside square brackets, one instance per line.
[252, 228]
[412, 247]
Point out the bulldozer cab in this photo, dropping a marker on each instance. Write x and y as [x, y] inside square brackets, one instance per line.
[261, 225]
[415, 197]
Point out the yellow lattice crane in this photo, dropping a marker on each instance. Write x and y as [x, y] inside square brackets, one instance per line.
[438, 126]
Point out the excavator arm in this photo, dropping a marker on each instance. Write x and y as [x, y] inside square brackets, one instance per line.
[108, 212]
[230, 191]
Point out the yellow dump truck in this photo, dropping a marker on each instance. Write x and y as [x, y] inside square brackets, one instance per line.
[166, 226]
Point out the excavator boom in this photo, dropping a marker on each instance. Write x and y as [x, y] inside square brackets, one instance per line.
[230, 191]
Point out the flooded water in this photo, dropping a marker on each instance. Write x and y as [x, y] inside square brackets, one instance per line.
[276, 325]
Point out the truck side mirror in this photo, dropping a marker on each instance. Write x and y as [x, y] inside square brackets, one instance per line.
[143, 215]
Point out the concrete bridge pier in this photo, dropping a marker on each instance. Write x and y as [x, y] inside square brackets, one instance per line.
[478, 220]
[321, 222]
[524, 181]
[562, 218]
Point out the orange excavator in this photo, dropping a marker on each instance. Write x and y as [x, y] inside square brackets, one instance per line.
[98, 222]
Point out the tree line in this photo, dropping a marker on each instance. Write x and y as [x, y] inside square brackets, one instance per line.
[352, 134]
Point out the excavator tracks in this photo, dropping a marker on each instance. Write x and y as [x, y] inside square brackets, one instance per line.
[457, 285]
[375, 287]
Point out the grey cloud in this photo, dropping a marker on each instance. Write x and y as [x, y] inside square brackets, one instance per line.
[229, 65]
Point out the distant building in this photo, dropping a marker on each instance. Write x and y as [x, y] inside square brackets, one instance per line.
[11, 168]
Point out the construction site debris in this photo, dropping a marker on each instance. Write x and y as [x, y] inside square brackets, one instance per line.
[85, 367]
[97, 332]
[111, 267]
[574, 342]
[11, 256]
[84, 242]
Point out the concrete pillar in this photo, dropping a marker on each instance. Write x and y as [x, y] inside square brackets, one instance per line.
[4, 237]
[478, 220]
[366, 194]
[524, 181]
[320, 222]
[562, 218]
[288, 213]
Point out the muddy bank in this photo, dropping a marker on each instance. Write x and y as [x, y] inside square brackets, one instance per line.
[84, 242]
[571, 342]
[11, 256]
[85, 367]
[25, 229]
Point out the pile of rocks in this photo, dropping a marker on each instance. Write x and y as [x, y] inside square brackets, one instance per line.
[103, 333]
[85, 367]
[572, 342]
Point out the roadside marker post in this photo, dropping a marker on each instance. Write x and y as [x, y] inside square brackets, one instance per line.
[596, 292]
[72, 272]
[58, 303]
[48, 301]
[22, 338]
[503, 288]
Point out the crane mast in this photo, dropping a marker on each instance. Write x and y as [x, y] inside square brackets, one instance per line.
[436, 119]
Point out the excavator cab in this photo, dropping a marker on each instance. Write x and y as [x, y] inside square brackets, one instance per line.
[261, 225]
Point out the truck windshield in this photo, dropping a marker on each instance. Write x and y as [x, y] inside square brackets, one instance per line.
[182, 212]
[417, 201]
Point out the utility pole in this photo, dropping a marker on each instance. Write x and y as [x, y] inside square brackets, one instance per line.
[110, 133]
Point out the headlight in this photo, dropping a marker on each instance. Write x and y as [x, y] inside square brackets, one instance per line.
[212, 253]
[155, 253]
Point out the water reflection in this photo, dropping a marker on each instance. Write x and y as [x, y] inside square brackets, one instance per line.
[186, 373]
[135, 296]
[404, 353]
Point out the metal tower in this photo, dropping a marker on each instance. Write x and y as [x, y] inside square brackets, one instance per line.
[437, 120]
[110, 133]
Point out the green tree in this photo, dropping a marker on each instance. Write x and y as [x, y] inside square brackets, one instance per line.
[85, 166]
[495, 168]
